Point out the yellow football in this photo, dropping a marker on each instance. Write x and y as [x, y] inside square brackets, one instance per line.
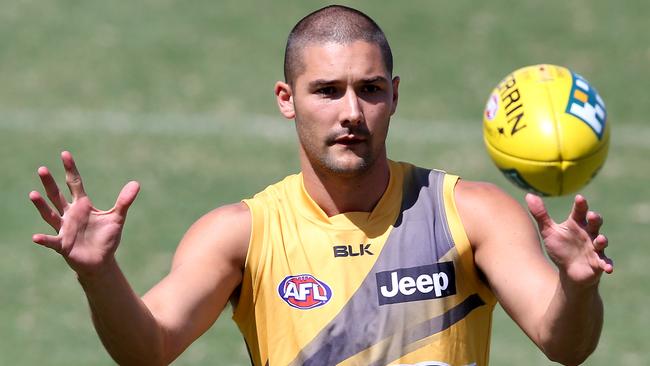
[545, 127]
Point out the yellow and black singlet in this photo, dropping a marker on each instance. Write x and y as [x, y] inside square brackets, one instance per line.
[395, 286]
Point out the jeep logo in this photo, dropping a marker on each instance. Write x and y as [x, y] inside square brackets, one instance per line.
[427, 282]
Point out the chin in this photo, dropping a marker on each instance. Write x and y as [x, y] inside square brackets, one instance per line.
[348, 166]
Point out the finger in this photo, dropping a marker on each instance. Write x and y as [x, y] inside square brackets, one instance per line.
[601, 242]
[52, 189]
[126, 197]
[606, 263]
[68, 236]
[51, 217]
[579, 210]
[594, 222]
[75, 223]
[72, 177]
[49, 241]
[538, 211]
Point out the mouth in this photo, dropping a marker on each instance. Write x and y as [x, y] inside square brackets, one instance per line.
[349, 140]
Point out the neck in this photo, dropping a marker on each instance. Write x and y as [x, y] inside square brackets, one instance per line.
[336, 194]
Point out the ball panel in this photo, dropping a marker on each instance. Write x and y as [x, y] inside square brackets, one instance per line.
[576, 174]
[577, 139]
[523, 123]
[539, 177]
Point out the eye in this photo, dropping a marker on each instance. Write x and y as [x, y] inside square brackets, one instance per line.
[370, 88]
[326, 90]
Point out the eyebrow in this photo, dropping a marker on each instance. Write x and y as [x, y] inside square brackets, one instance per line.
[325, 82]
[374, 80]
[321, 82]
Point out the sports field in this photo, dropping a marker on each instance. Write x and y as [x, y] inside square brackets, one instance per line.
[179, 96]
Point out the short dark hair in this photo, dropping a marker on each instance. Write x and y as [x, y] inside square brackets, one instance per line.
[334, 23]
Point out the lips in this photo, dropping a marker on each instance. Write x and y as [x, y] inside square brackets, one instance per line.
[349, 139]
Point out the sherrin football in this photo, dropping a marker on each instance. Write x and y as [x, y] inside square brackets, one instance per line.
[545, 127]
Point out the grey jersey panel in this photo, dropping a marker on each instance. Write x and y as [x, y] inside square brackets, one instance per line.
[420, 237]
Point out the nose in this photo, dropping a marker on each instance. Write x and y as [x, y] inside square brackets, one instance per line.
[351, 113]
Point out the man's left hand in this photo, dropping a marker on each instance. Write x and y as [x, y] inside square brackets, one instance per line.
[575, 245]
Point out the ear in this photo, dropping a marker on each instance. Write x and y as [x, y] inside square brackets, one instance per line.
[284, 98]
[395, 94]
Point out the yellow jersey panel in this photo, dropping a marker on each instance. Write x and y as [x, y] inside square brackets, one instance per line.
[395, 286]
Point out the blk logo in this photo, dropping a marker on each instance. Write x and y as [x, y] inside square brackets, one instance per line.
[427, 282]
[352, 251]
[304, 291]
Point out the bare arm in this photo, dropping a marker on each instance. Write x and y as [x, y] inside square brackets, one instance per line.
[558, 307]
[207, 267]
[157, 328]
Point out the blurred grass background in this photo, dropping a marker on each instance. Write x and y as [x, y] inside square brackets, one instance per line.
[179, 96]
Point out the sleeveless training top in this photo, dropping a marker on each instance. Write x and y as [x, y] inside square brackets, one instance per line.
[396, 286]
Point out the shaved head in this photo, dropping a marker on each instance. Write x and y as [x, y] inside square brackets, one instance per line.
[332, 24]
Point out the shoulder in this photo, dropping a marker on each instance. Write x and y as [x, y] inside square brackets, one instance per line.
[274, 193]
[222, 234]
[488, 212]
[482, 193]
[503, 237]
[481, 196]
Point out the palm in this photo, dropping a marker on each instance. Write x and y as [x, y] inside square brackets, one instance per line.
[570, 247]
[96, 234]
[575, 245]
[86, 237]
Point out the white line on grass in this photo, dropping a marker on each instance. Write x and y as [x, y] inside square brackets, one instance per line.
[254, 125]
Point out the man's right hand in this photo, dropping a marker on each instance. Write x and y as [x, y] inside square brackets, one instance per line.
[155, 329]
[86, 237]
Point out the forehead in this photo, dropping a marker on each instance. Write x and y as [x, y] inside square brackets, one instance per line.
[333, 61]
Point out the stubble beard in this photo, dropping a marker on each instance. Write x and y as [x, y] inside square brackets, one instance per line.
[326, 156]
[348, 166]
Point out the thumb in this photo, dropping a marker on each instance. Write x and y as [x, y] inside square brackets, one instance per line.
[126, 197]
[538, 211]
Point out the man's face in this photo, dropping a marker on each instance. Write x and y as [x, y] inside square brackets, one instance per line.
[343, 101]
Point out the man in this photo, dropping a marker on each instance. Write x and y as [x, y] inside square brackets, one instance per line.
[357, 260]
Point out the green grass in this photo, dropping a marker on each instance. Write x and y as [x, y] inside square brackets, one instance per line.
[179, 96]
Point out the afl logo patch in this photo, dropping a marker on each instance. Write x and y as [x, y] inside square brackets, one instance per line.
[304, 291]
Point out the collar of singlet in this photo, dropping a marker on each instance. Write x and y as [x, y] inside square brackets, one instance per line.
[383, 214]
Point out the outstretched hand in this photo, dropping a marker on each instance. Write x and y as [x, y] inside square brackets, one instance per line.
[86, 237]
[575, 245]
